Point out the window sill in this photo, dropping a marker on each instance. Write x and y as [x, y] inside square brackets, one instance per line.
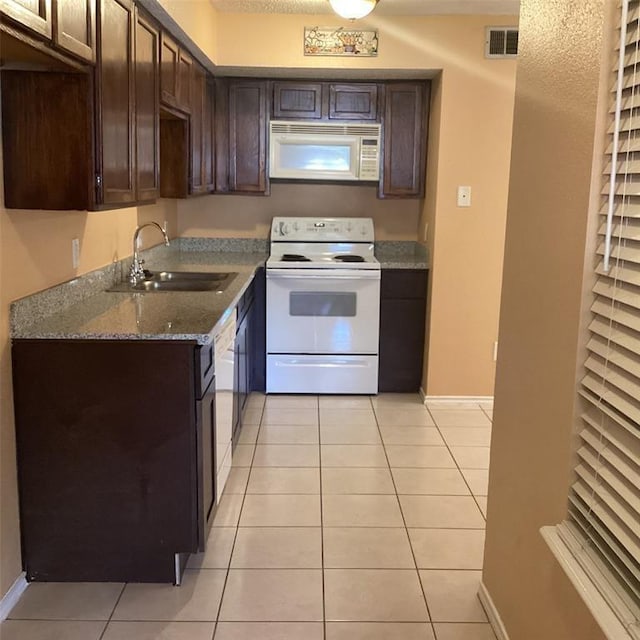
[602, 612]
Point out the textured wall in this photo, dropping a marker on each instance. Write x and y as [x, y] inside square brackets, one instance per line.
[556, 138]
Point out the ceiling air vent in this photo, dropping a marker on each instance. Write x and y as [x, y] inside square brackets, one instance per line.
[501, 42]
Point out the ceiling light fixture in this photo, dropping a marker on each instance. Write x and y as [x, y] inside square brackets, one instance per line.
[353, 9]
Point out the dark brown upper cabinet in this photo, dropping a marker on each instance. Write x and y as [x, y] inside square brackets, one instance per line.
[202, 132]
[325, 101]
[404, 139]
[241, 136]
[75, 27]
[175, 76]
[115, 76]
[297, 100]
[65, 25]
[127, 123]
[34, 15]
[47, 140]
[147, 110]
[353, 102]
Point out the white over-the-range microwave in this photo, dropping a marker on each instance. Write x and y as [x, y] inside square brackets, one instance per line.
[324, 151]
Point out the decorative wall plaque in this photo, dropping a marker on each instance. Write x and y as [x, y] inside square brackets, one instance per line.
[340, 41]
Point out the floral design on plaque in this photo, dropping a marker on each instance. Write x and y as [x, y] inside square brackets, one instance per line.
[338, 41]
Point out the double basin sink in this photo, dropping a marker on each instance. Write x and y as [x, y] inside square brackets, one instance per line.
[161, 281]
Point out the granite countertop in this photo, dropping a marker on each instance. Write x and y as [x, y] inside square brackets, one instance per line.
[401, 254]
[102, 315]
[82, 309]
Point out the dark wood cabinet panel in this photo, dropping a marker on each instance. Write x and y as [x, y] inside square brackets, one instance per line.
[297, 100]
[405, 139]
[206, 440]
[147, 111]
[248, 136]
[115, 104]
[107, 469]
[35, 15]
[175, 145]
[47, 140]
[175, 75]
[202, 132]
[353, 102]
[402, 329]
[75, 27]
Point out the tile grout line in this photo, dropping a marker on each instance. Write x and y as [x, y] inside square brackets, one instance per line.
[324, 595]
[458, 467]
[110, 618]
[237, 526]
[404, 522]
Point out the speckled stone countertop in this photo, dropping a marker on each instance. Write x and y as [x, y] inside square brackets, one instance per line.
[82, 309]
[403, 254]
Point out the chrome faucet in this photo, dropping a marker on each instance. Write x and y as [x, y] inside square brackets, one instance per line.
[136, 273]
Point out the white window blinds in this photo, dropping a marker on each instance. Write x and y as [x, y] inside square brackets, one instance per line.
[603, 525]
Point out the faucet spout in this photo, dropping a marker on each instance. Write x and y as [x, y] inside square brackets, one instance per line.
[136, 273]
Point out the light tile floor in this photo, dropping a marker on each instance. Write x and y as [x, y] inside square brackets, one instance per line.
[343, 518]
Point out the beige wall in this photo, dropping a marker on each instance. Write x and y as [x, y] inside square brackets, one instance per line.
[250, 216]
[470, 145]
[556, 127]
[199, 20]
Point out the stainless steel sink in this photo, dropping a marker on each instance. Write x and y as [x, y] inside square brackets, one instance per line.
[159, 281]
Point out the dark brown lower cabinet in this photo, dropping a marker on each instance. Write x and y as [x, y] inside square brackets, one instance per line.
[115, 444]
[403, 299]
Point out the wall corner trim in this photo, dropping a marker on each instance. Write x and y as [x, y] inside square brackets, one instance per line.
[492, 613]
[10, 599]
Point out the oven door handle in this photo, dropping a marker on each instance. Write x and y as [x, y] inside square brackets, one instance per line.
[323, 274]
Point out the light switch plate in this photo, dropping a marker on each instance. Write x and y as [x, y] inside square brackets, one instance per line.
[464, 196]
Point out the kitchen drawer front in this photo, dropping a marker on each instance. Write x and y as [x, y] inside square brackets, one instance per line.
[403, 283]
[205, 369]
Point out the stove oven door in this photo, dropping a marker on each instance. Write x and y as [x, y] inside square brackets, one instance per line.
[322, 330]
[323, 311]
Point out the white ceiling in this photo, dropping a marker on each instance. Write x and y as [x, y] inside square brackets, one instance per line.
[385, 7]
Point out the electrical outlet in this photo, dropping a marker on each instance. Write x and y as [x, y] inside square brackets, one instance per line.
[464, 196]
[75, 253]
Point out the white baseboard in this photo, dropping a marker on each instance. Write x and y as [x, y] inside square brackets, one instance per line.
[492, 613]
[10, 599]
[454, 399]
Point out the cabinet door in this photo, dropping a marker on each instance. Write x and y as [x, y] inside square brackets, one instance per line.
[353, 102]
[405, 140]
[47, 140]
[115, 120]
[197, 108]
[247, 136]
[147, 112]
[208, 136]
[402, 325]
[185, 64]
[35, 15]
[206, 440]
[175, 80]
[297, 100]
[75, 27]
[169, 70]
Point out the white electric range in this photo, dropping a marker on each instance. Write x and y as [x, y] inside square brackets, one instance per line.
[323, 306]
